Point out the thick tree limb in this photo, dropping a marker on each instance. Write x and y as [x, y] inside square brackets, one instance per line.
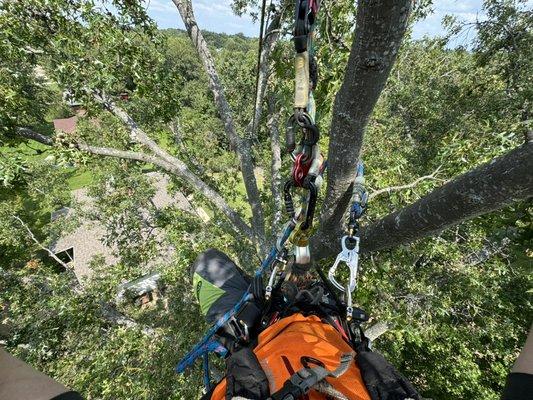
[241, 146]
[411, 185]
[177, 168]
[381, 26]
[487, 188]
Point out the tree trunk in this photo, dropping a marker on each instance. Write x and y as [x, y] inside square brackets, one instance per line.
[484, 189]
[241, 146]
[381, 25]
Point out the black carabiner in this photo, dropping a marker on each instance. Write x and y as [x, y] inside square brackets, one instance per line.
[287, 197]
[311, 132]
[309, 184]
[311, 205]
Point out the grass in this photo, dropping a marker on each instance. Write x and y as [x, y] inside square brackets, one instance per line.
[80, 179]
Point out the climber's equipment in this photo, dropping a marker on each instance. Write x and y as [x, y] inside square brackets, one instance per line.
[351, 258]
[308, 162]
[208, 344]
[350, 243]
[301, 382]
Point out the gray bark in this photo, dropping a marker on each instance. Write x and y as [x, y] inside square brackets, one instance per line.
[491, 186]
[175, 167]
[275, 167]
[31, 134]
[271, 38]
[487, 188]
[376, 330]
[381, 25]
[241, 146]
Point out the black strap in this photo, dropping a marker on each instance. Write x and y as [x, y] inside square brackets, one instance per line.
[302, 381]
[299, 384]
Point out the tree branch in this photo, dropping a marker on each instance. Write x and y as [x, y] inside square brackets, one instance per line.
[269, 42]
[177, 168]
[376, 330]
[110, 313]
[241, 146]
[39, 244]
[77, 286]
[487, 188]
[38, 137]
[275, 167]
[411, 185]
[381, 25]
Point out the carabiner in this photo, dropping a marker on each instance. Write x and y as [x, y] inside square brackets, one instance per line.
[311, 134]
[351, 258]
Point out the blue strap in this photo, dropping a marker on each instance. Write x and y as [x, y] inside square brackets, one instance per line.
[206, 344]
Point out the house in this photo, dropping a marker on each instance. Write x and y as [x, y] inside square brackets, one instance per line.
[66, 125]
[80, 246]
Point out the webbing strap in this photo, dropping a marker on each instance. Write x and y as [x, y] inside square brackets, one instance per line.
[305, 379]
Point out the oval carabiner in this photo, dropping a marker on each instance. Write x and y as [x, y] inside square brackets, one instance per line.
[311, 132]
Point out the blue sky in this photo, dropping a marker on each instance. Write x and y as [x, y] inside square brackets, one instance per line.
[217, 16]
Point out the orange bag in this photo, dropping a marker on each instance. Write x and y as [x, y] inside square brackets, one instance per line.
[281, 346]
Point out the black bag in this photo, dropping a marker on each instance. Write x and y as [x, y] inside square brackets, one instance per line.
[245, 377]
[382, 380]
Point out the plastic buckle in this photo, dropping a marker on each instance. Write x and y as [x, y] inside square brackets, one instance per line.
[304, 380]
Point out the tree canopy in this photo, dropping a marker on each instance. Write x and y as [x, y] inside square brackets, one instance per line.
[443, 130]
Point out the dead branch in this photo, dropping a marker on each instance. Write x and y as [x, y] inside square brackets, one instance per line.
[411, 185]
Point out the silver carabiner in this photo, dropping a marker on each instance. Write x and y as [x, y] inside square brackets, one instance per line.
[351, 258]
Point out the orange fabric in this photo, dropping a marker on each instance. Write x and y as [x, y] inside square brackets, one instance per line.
[281, 346]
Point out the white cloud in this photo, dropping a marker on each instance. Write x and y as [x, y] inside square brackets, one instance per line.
[161, 6]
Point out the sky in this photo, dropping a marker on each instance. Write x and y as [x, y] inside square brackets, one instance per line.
[217, 16]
